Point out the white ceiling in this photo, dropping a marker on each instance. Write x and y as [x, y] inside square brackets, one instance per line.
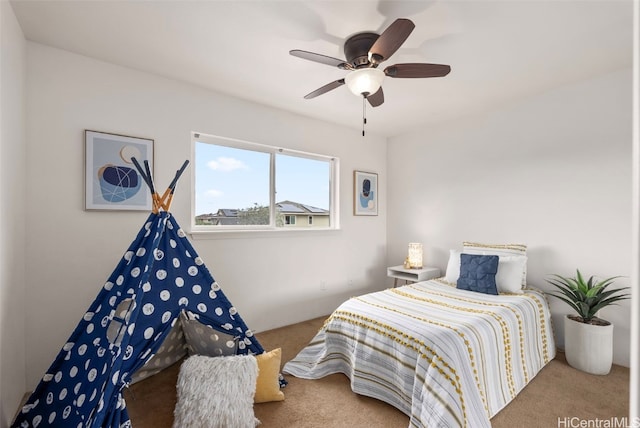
[498, 50]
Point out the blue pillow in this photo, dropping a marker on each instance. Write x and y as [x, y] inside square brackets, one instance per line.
[478, 273]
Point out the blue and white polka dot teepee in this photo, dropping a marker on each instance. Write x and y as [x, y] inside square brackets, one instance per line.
[159, 276]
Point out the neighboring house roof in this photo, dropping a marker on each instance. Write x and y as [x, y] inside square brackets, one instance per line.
[290, 207]
[227, 212]
[224, 215]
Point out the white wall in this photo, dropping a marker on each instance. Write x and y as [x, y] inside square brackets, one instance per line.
[13, 173]
[634, 392]
[552, 171]
[273, 281]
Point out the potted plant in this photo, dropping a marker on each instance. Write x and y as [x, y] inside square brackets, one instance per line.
[588, 340]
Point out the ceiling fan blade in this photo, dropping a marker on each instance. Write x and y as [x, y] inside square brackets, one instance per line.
[322, 59]
[416, 70]
[377, 98]
[390, 40]
[326, 88]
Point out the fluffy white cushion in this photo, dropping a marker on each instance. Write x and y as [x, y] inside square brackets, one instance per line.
[453, 267]
[216, 392]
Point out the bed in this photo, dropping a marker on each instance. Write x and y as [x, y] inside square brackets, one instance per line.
[446, 357]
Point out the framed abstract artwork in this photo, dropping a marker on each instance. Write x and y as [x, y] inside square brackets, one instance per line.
[365, 193]
[111, 179]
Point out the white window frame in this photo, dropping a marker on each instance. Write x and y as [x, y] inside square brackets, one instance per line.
[334, 168]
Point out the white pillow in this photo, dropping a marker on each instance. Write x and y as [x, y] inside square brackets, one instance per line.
[510, 271]
[216, 392]
[498, 250]
[453, 267]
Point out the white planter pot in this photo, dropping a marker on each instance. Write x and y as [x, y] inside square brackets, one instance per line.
[588, 347]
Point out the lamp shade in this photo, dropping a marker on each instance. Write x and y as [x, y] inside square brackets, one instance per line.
[415, 255]
[364, 81]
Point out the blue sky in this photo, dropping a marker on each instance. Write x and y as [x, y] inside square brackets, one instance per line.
[235, 178]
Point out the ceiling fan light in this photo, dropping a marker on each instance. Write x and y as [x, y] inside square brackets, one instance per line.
[364, 81]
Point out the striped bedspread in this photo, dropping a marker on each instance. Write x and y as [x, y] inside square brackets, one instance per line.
[445, 357]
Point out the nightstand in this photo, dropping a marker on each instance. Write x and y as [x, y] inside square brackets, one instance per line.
[412, 275]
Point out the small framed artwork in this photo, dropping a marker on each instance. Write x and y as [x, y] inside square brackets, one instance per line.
[112, 181]
[365, 193]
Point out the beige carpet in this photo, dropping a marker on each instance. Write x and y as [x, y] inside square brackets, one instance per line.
[558, 391]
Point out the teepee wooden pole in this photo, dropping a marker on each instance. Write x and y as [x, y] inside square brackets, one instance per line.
[159, 202]
[148, 169]
[142, 173]
[167, 196]
[179, 172]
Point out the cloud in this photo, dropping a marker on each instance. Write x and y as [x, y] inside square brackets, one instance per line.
[213, 193]
[225, 164]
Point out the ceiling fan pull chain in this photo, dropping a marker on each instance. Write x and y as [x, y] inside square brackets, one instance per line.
[364, 113]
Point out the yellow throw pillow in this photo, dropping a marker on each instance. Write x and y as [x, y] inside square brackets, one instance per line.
[268, 384]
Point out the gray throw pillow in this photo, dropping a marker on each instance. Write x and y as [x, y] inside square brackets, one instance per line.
[204, 340]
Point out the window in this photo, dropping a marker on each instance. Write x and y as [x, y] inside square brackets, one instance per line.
[247, 186]
[119, 322]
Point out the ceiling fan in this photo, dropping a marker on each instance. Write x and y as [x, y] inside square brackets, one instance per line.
[364, 52]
